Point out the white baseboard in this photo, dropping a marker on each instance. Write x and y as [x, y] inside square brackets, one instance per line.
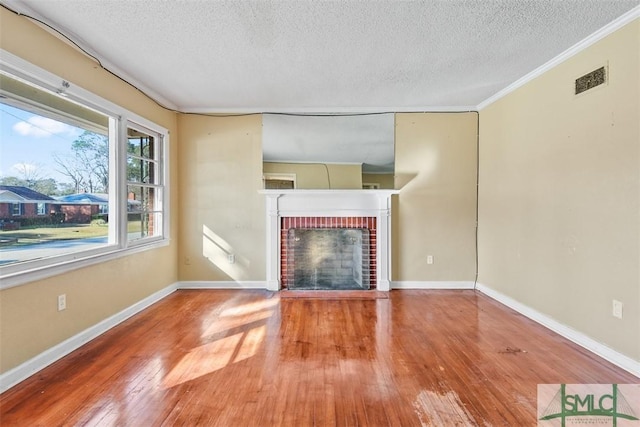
[221, 285]
[47, 357]
[607, 353]
[432, 285]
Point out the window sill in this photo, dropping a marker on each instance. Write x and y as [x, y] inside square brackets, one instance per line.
[32, 274]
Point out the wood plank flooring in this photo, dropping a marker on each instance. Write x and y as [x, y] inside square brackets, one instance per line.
[250, 358]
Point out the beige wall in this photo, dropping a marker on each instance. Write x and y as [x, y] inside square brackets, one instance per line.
[29, 320]
[385, 180]
[320, 175]
[221, 210]
[559, 194]
[435, 213]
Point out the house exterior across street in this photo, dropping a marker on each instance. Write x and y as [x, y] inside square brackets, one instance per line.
[17, 202]
[80, 208]
[21, 206]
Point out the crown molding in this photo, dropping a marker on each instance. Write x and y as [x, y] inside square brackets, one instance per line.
[328, 111]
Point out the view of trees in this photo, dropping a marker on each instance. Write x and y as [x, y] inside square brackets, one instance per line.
[86, 166]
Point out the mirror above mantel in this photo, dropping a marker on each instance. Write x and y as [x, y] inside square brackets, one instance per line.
[328, 151]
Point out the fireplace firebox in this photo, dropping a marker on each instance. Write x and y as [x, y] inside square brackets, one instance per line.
[328, 259]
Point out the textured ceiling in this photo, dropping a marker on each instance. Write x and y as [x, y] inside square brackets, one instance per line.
[303, 56]
[309, 56]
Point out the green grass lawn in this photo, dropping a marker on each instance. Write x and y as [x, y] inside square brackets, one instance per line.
[56, 233]
[32, 235]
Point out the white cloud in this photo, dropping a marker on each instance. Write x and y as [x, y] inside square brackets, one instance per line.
[42, 127]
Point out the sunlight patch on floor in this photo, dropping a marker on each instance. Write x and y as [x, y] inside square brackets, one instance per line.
[203, 360]
[216, 355]
[226, 324]
[251, 343]
[252, 307]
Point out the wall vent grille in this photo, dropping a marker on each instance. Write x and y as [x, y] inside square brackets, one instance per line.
[591, 80]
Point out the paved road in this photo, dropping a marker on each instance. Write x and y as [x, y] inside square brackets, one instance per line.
[47, 249]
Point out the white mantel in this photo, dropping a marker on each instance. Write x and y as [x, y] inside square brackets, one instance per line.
[329, 203]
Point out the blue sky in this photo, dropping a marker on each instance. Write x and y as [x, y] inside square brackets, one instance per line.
[30, 141]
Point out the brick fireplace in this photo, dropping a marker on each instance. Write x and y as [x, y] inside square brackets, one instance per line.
[367, 248]
[362, 215]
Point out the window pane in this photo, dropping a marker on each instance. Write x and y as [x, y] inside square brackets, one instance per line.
[144, 187]
[141, 199]
[141, 225]
[140, 144]
[54, 175]
[140, 170]
[144, 218]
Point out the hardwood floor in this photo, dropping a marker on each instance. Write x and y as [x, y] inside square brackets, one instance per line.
[250, 358]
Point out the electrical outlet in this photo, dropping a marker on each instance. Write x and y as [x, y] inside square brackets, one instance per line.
[62, 302]
[232, 258]
[429, 259]
[617, 309]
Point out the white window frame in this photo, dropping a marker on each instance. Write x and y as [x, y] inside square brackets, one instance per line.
[24, 272]
[13, 209]
[39, 211]
[159, 183]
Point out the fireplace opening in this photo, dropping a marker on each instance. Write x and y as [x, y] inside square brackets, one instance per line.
[328, 258]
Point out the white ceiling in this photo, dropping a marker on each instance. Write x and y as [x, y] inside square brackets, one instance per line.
[316, 56]
[324, 56]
